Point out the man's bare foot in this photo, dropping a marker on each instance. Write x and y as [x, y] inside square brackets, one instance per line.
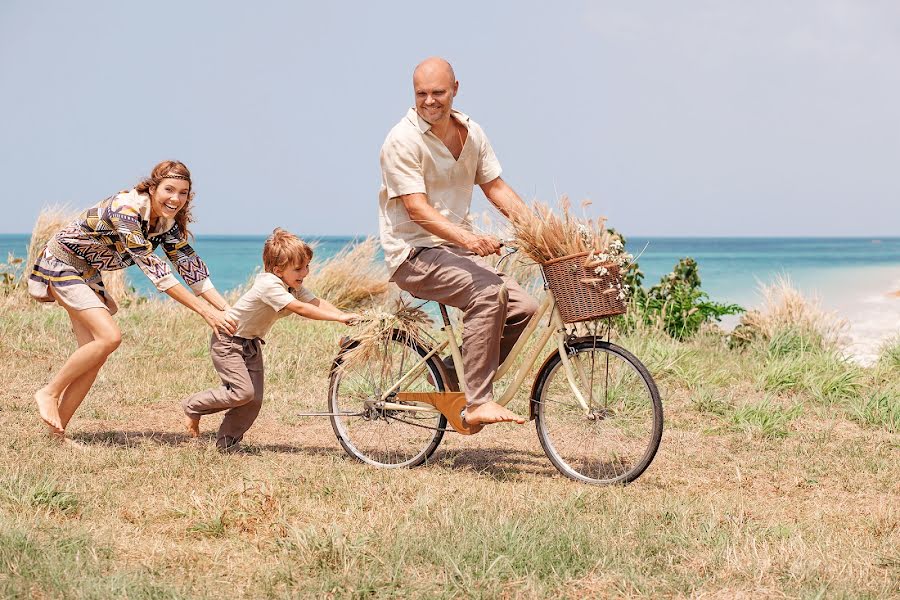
[192, 424]
[48, 408]
[491, 412]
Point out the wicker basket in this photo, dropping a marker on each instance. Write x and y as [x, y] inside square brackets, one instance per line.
[582, 295]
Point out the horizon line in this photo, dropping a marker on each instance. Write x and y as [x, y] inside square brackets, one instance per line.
[630, 235]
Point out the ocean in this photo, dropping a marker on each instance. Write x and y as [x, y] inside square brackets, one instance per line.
[853, 277]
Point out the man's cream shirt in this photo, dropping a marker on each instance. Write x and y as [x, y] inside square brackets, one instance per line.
[415, 161]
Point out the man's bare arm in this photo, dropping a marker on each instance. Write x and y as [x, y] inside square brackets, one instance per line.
[432, 221]
[503, 197]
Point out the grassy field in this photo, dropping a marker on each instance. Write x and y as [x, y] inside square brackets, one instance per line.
[777, 477]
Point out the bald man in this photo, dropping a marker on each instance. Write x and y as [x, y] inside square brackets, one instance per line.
[430, 162]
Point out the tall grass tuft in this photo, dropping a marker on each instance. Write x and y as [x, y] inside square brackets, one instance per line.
[352, 279]
[890, 355]
[50, 220]
[765, 418]
[880, 409]
[788, 322]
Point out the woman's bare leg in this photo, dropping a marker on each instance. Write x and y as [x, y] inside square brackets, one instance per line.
[78, 389]
[85, 361]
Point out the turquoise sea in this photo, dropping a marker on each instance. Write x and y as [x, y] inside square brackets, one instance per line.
[851, 276]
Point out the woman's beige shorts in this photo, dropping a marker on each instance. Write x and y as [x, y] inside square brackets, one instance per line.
[77, 290]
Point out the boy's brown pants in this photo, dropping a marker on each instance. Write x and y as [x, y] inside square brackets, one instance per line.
[495, 308]
[239, 364]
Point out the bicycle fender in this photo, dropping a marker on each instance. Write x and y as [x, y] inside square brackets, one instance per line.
[538, 379]
[533, 402]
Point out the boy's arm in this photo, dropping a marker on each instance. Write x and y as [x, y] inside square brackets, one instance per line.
[321, 310]
[324, 304]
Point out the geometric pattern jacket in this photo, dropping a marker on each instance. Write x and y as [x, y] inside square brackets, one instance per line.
[115, 233]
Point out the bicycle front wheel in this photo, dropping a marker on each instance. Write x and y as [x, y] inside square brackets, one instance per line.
[615, 437]
[371, 433]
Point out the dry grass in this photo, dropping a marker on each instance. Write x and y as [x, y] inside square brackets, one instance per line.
[379, 324]
[544, 234]
[50, 220]
[785, 310]
[352, 279]
[755, 492]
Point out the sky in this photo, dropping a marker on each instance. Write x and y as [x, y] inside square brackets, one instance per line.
[695, 118]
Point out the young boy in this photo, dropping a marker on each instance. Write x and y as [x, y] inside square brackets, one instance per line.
[238, 359]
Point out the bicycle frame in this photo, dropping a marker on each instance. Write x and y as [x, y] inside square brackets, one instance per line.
[555, 328]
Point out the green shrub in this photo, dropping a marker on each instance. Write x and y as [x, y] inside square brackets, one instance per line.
[676, 304]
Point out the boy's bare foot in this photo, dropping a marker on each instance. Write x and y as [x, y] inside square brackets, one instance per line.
[491, 412]
[192, 425]
[48, 408]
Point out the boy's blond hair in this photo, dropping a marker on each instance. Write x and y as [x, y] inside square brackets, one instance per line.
[284, 249]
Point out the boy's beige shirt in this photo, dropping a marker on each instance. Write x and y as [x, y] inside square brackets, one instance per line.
[415, 161]
[263, 304]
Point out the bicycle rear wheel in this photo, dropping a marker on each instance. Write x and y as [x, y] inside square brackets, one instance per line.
[616, 437]
[371, 433]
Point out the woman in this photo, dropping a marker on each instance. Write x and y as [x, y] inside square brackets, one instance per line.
[120, 231]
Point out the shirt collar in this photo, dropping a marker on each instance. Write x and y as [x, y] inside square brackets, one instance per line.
[275, 279]
[424, 126]
[163, 224]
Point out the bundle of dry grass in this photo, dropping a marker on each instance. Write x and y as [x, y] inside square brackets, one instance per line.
[50, 220]
[544, 235]
[379, 324]
[783, 309]
[519, 266]
[352, 279]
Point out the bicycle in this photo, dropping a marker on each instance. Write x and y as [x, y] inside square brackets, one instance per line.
[596, 408]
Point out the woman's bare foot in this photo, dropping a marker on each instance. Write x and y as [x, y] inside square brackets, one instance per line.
[192, 424]
[60, 438]
[48, 408]
[489, 413]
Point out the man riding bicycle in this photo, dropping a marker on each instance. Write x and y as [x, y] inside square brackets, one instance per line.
[430, 162]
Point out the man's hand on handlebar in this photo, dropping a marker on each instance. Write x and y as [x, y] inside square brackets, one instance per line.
[483, 245]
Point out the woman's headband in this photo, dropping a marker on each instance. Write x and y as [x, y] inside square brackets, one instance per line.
[176, 176]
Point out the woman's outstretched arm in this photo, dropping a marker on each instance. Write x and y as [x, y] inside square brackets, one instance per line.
[215, 298]
[217, 319]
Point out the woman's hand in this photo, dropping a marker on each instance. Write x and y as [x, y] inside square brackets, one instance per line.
[220, 322]
[206, 308]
